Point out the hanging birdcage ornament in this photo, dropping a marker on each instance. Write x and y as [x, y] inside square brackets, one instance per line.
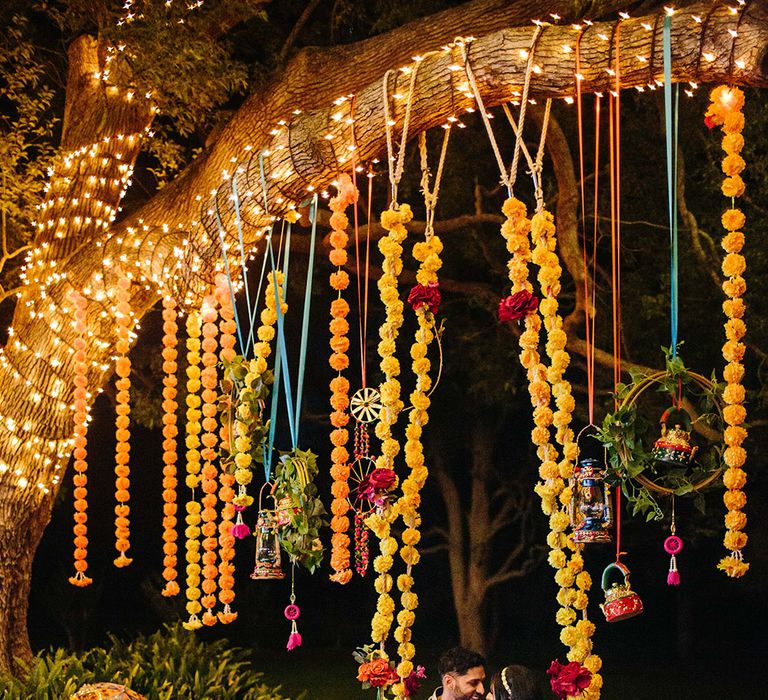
[591, 508]
[674, 447]
[268, 566]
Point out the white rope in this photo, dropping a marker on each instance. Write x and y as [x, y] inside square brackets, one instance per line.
[395, 165]
[507, 179]
[430, 196]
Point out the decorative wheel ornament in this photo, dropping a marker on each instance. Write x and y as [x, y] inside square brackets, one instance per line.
[358, 474]
[365, 405]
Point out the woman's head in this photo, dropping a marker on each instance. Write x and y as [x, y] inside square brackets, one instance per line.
[515, 683]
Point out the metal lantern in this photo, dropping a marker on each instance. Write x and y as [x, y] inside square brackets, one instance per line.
[267, 548]
[591, 509]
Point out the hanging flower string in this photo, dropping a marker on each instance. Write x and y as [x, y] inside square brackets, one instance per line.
[208, 453]
[170, 456]
[193, 508]
[122, 422]
[725, 111]
[393, 220]
[80, 452]
[227, 329]
[425, 299]
[339, 361]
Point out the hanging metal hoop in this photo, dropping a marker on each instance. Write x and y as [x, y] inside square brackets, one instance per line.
[631, 399]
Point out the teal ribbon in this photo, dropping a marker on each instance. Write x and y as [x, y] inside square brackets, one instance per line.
[281, 357]
[671, 128]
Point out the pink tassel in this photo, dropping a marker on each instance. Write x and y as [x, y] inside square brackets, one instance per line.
[294, 639]
[673, 577]
[240, 531]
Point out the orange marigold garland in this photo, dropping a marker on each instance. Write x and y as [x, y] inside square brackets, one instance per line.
[209, 438]
[339, 361]
[725, 110]
[193, 429]
[170, 455]
[122, 421]
[227, 328]
[80, 452]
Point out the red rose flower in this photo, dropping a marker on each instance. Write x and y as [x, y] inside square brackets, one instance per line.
[376, 673]
[568, 679]
[428, 295]
[413, 682]
[710, 121]
[374, 486]
[517, 306]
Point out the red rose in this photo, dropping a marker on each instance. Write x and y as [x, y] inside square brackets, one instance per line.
[568, 679]
[517, 306]
[376, 673]
[428, 295]
[373, 486]
[413, 682]
[710, 121]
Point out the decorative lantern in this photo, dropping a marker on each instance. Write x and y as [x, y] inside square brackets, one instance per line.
[267, 548]
[591, 511]
[674, 448]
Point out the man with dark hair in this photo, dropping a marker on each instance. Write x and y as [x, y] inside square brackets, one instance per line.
[462, 673]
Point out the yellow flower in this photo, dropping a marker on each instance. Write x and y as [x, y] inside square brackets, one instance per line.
[733, 566]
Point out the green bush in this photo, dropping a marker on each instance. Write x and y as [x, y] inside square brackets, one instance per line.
[170, 664]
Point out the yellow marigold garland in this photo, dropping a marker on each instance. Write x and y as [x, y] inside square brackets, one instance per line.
[573, 594]
[227, 328]
[339, 361]
[80, 453]
[209, 438]
[407, 506]
[393, 220]
[122, 422]
[570, 577]
[193, 430]
[170, 456]
[725, 110]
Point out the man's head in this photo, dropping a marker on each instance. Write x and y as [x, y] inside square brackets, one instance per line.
[462, 673]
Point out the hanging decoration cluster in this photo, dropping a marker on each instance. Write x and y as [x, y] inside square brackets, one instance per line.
[339, 361]
[725, 111]
[122, 421]
[170, 455]
[80, 454]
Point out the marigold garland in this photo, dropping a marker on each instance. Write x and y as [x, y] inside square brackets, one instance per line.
[209, 438]
[407, 506]
[340, 556]
[170, 455]
[570, 577]
[725, 110]
[80, 453]
[393, 220]
[227, 328]
[122, 422]
[193, 508]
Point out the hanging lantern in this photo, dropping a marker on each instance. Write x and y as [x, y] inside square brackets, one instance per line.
[267, 548]
[674, 448]
[591, 510]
